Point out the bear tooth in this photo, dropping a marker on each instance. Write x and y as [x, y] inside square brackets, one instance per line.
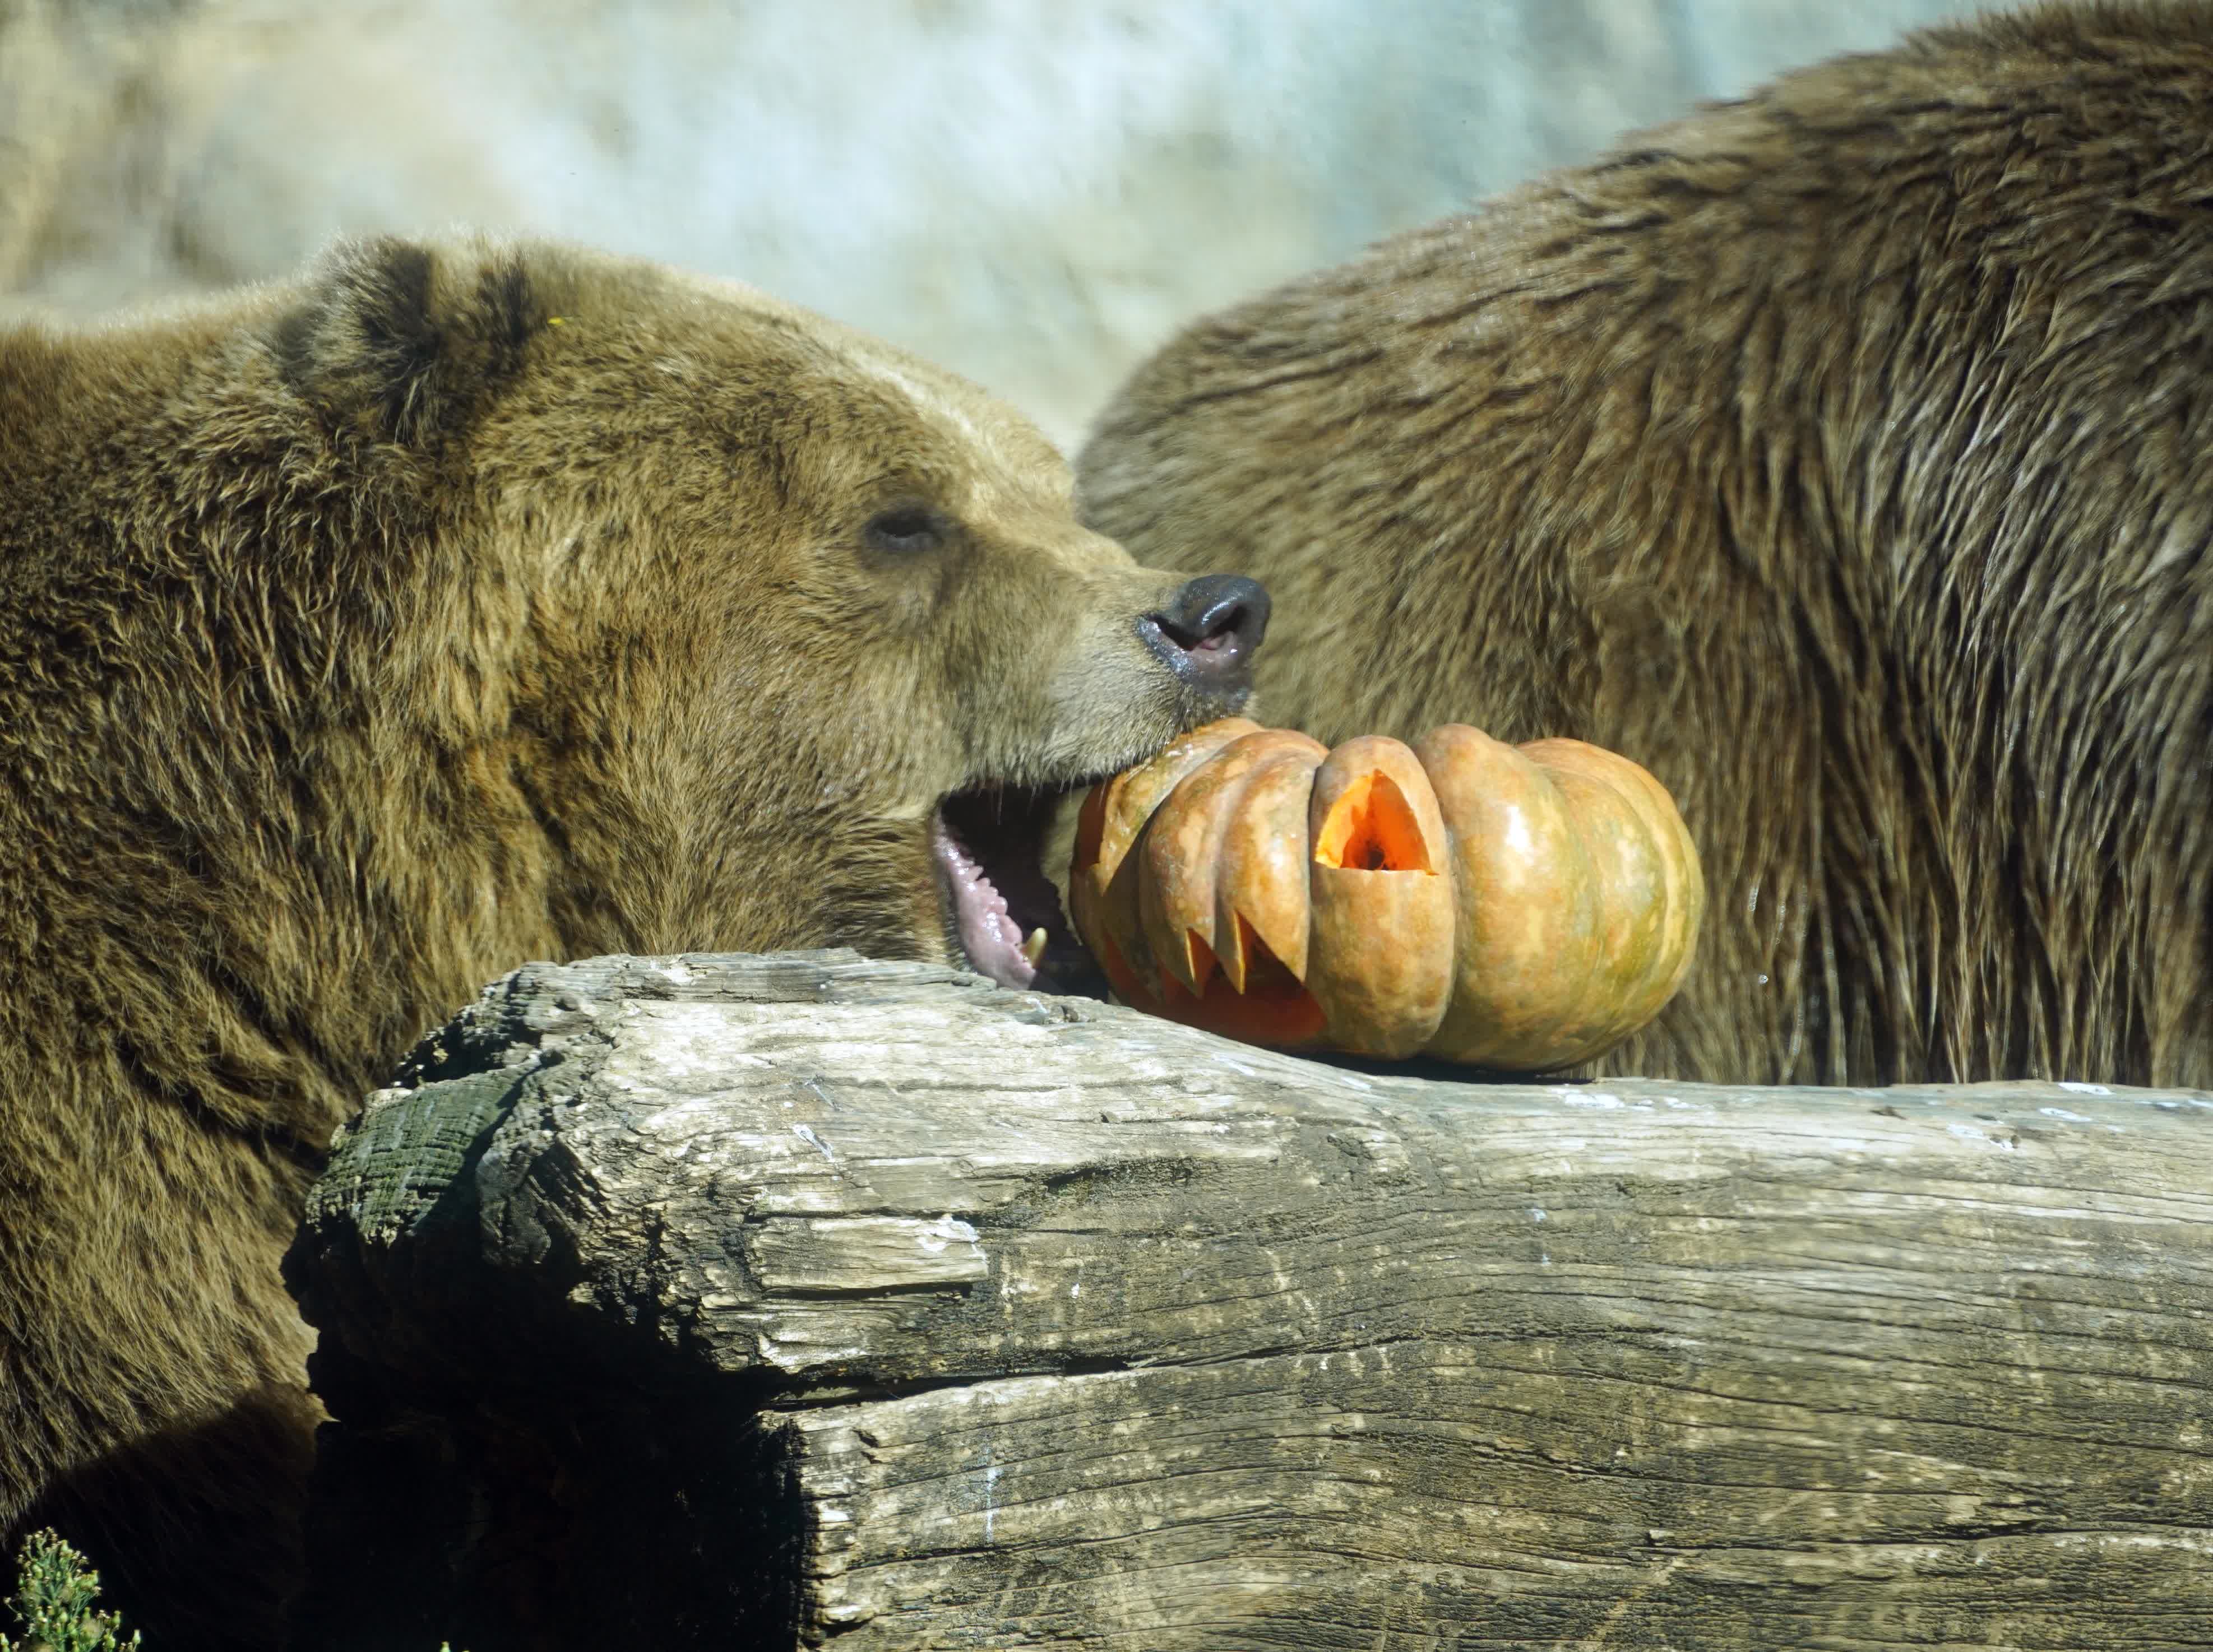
[1034, 948]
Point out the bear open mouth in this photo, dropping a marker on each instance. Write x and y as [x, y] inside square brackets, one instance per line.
[1002, 912]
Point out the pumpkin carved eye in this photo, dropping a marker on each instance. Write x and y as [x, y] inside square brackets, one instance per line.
[907, 530]
[1372, 829]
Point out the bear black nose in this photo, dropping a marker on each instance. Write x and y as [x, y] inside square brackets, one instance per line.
[1208, 630]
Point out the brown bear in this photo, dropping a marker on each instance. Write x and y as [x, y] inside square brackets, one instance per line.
[458, 605]
[1845, 456]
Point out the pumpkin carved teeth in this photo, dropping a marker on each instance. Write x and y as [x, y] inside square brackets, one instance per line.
[1199, 964]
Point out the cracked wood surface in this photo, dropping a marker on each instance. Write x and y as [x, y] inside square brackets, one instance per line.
[801, 1300]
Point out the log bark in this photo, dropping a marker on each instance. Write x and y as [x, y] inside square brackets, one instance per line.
[801, 1300]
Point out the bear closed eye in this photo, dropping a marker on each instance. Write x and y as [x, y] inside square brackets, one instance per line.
[908, 530]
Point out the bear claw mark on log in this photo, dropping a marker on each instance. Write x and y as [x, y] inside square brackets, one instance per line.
[776, 1302]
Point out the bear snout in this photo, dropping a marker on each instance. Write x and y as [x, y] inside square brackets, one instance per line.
[1207, 631]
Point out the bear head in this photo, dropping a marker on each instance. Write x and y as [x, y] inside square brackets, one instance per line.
[749, 631]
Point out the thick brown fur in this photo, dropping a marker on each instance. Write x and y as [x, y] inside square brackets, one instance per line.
[363, 638]
[1841, 454]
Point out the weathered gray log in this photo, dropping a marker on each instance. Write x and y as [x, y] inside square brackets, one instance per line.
[744, 1301]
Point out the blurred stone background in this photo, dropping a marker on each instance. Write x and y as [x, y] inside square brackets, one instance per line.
[1035, 192]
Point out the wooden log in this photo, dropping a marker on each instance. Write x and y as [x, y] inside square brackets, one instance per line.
[793, 1301]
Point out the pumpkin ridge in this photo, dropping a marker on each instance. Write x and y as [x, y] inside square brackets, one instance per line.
[1261, 881]
[1184, 845]
[1105, 892]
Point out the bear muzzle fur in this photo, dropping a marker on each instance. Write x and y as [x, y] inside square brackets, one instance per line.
[990, 843]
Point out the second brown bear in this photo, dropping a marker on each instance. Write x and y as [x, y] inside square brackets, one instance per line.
[1841, 456]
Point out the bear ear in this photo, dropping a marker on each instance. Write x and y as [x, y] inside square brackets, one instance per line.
[398, 341]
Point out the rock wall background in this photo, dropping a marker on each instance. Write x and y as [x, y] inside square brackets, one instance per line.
[1033, 191]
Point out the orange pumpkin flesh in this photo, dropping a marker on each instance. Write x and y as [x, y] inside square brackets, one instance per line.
[1514, 906]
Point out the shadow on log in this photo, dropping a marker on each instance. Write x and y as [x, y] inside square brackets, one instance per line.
[771, 1301]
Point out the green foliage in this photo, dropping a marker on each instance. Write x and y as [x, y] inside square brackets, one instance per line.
[53, 1602]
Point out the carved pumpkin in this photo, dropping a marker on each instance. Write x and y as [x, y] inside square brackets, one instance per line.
[1515, 907]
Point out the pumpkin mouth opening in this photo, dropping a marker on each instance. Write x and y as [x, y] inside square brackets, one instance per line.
[1273, 1007]
[1003, 912]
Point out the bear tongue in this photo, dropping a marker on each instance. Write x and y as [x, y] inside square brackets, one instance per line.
[992, 940]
